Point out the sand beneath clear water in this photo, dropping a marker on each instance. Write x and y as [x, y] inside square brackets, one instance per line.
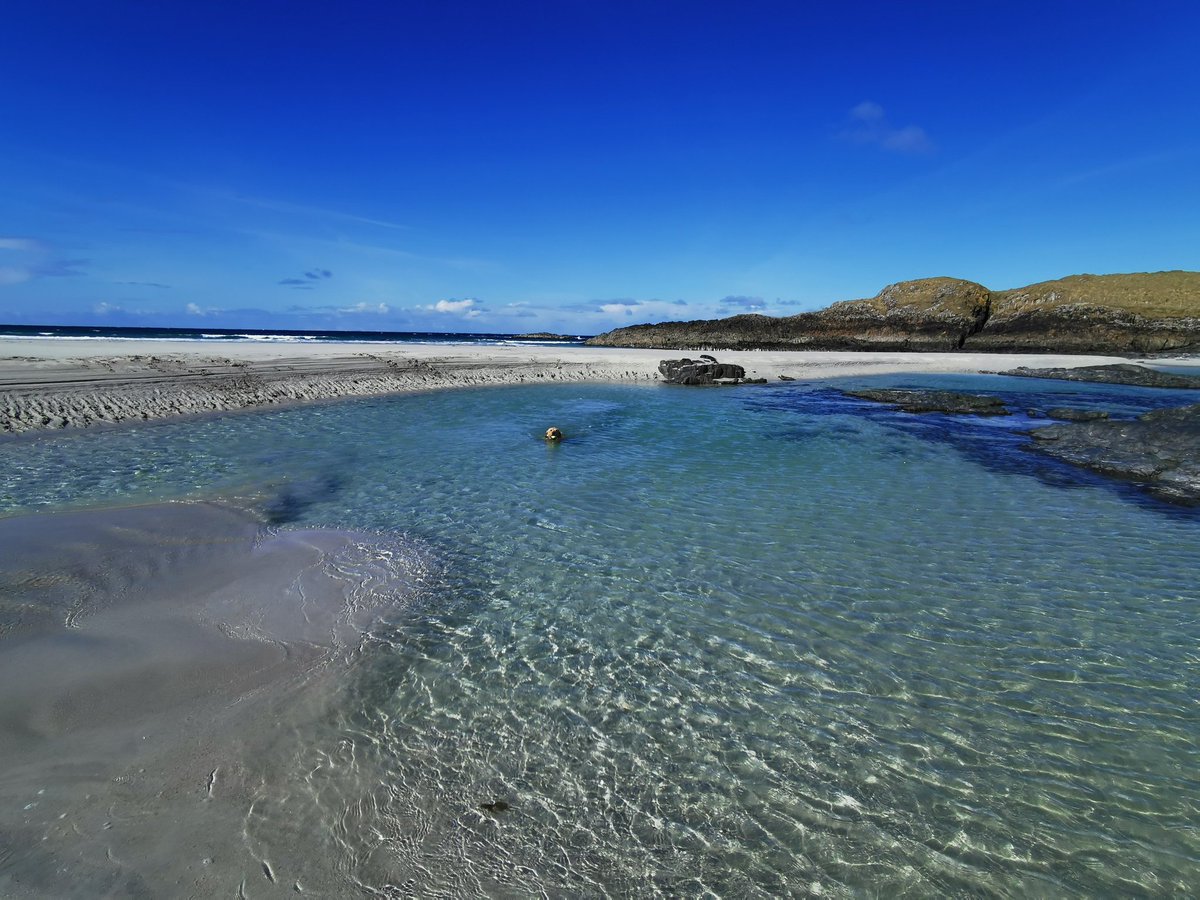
[160, 665]
[63, 383]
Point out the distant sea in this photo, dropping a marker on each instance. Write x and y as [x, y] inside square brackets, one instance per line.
[276, 335]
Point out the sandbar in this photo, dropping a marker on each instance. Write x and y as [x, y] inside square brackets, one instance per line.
[164, 666]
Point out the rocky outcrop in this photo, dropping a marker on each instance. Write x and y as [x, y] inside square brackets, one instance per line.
[705, 370]
[935, 401]
[1140, 313]
[1160, 450]
[1121, 373]
[1071, 414]
[1119, 314]
[930, 314]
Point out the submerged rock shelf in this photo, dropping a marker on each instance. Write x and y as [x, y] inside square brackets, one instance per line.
[1160, 449]
[1128, 373]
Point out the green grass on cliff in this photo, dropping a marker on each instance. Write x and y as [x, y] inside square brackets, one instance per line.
[934, 295]
[1165, 295]
[1153, 295]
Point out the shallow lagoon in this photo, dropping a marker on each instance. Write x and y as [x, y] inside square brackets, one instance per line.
[750, 642]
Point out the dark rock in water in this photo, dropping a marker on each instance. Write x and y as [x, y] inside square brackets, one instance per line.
[1161, 449]
[496, 806]
[1068, 414]
[1120, 373]
[543, 336]
[935, 401]
[786, 378]
[691, 371]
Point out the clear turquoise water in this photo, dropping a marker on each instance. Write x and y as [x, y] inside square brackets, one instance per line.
[721, 643]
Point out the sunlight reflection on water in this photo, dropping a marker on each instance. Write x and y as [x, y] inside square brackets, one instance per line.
[729, 642]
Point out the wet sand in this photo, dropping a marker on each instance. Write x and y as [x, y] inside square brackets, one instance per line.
[56, 383]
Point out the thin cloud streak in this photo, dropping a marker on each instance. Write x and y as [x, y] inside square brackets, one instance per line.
[868, 124]
[289, 208]
[327, 244]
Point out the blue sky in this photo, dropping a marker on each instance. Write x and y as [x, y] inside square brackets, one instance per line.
[575, 166]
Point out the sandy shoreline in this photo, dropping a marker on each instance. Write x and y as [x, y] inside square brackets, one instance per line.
[55, 383]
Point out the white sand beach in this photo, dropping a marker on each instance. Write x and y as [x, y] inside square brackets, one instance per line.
[63, 383]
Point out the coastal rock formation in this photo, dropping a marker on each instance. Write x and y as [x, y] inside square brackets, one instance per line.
[1121, 373]
[930, 314]
[1071, 414]
[1161, 449]
[700, 371]
[1116, 314]
[935, 401]
[1139, 313]
[543, 336]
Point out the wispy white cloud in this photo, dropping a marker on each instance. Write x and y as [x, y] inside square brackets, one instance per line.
[18, 260]
[1121, 166]
[601, 315]
[867, 111]
[28, 258]
[104, 308]
[22, 245]
[380, 309]
[308, 242]
[909, 139]
[14, 274]
[868, 123]
[467, 308]
[61, 268]
[742, 303]
[302, 209]
[641, 309]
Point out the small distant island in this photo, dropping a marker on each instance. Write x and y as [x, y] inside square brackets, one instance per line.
[1141, 313]
[545, 336]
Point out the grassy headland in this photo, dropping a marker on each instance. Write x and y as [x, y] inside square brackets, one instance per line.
[1148, 312]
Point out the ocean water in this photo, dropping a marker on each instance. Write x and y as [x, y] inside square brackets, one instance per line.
[728, 643]
[276, 336]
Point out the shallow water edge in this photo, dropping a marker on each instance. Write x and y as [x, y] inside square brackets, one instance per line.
[768, 644]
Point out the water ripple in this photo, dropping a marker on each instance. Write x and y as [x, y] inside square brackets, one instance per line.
[714, 646]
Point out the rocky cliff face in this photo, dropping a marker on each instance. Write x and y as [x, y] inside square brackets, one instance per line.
[1141, 313]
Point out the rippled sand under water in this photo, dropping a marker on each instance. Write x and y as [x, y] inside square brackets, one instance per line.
[718, 643]
[159, 666]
